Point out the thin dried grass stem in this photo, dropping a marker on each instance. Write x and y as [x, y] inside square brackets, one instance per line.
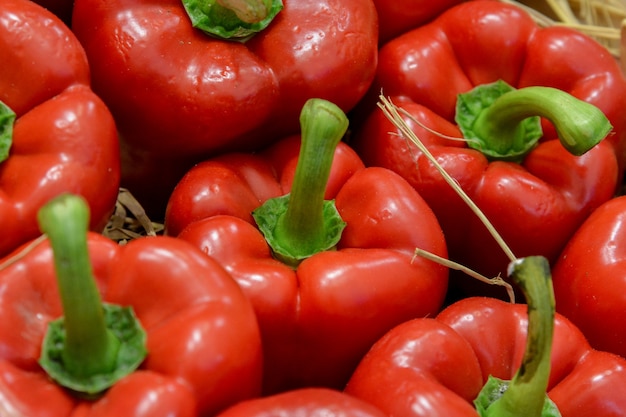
[394, 115]
[563, 11]
[470, 272]
[129, 220]
[599, 19]
[22, 252]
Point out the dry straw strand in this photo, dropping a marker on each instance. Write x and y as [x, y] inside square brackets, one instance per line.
[600, 19]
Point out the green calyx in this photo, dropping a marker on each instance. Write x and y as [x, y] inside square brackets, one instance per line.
[7, 120]
[93, 345]
[504, 123]
[301, 223]
[236, 20]
[128, 342]
[493, 391]
[525, 395]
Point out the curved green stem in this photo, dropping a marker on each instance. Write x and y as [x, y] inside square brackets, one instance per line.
[504, 123]
[302, 223]
[323, 125]
[81, 348]
[90, 347]
[525, 395]
[236, 20]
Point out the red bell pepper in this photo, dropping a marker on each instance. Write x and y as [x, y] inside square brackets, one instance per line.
[589, 277]
[397, 17]
[86, 310]
[56, 135]
[319, 308]
[538, 199]
[438, 366]
[304, 402]
[180, 95]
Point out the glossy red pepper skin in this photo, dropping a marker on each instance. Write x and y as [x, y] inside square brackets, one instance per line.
[304, 402]
[535, 205]
[204, 347]
[397, 17]
[180, 96]
[589, 277]
[319, 319]
[64, 137]
[479, 42]
[436, 366]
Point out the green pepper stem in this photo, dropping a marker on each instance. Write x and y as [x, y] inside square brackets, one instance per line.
[579, 125]
[323, 126]
[90, 347]
[236, 20]
[249, 11]
[503, 122]
[526, 393]
[302, 223]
